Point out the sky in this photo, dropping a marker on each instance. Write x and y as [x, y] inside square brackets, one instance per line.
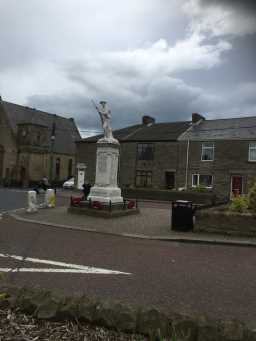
[163, 58]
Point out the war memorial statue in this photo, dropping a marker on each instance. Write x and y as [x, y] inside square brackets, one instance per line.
[105, 197]
[106, 188]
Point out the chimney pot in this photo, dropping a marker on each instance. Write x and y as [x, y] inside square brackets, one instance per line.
[196, 117]
[148, 120]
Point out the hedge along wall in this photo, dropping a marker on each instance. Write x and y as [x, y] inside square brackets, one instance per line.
[113, 315]
[204, 198]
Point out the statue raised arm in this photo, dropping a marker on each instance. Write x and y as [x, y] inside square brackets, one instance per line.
[105, 116]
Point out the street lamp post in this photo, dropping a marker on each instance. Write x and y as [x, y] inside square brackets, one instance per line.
[51, 151]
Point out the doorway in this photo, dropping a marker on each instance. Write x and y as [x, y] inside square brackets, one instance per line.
[170, 180]
[236, 185]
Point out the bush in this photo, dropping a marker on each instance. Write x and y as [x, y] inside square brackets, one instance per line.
[239, 204]
[252, 197]
[200, 188]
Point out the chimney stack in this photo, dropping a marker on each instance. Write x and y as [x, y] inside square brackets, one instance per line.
[148, 120]
[196, 117]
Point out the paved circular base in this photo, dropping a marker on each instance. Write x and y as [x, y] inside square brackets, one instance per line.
[103, 213]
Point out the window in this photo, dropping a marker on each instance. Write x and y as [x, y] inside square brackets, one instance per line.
[195, 180]
[202, 180]
[70, 168]
[145, 151]
[143, 178]
[207, 151]
[252, 151]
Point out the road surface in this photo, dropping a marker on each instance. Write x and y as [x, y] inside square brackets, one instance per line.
[219, 281]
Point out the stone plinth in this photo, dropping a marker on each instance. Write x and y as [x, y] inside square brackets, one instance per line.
[106, 188]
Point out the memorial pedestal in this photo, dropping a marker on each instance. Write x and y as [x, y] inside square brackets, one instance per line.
[106, 189]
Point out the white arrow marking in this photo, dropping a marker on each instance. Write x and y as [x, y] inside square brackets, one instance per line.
[71, 268]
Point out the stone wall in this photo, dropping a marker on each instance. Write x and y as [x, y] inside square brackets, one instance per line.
[86, 153]
[148, 321]
[39, 166]
[230, 158]
[8, 150]
[167, 195]
[219, 220]
[165, 160]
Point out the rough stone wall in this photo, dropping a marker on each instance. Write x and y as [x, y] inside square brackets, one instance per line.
[86, 153]
[165, 159]
[127, 164]
[8, 143]
[64, 161]
[37, 165]
[148, 321]
[225, 222]
[230, 158]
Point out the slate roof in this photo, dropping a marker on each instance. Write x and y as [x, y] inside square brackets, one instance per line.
[141, 132]
[243, 128]
[66, 131]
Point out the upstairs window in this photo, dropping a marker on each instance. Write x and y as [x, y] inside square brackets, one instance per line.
[202, 180]
[143, 178]
[145, 151]
[252, 151]
[207, 151]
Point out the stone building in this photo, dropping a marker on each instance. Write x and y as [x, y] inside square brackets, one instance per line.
[219, 155]
[34, 144]
[148, 154]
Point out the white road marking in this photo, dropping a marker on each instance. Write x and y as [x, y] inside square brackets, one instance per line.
[90, 270]
[71, 268]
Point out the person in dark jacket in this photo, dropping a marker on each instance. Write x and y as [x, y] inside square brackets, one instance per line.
[86, 190]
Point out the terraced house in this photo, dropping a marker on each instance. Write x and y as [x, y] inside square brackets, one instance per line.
[148, 154]
[34, 144]
[217, 155]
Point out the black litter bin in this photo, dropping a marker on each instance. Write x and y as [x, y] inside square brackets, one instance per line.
[182, 215]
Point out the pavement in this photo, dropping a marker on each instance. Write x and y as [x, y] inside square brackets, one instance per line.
[153, 223]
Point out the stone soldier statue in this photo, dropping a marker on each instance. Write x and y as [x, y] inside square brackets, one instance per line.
[105, 116]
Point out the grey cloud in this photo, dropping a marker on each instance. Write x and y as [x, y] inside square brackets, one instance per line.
[247, 6]
[167, 99]
[137, 55]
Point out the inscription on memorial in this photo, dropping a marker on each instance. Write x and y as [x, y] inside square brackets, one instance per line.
[102, 163]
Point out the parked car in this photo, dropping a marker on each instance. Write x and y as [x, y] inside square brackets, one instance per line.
[69, 183]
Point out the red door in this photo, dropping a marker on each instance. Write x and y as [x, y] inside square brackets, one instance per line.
[237, 185]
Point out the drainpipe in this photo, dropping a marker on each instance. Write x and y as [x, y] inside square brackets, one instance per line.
[187, 160]
[194, 124]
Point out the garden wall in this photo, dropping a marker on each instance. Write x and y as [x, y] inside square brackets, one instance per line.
[168, 195]
[219, 220]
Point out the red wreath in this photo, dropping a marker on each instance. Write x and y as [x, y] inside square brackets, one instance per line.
[75, 201]
[130, 204]
[97, 205]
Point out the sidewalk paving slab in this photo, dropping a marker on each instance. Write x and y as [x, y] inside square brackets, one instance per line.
[151, 223]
